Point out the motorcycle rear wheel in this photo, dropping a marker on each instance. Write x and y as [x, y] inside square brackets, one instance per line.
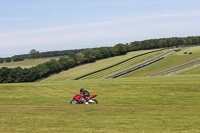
[96, 102]
[74, 101]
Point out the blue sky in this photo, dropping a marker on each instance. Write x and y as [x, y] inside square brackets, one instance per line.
[48, 25]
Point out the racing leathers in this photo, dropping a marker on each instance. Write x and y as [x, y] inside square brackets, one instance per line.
[85, 94]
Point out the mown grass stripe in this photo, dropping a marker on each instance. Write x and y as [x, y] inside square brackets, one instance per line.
[121, 67]
[116, 64]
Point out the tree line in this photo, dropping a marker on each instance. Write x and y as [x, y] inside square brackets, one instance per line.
[15, 75]
[33, 54]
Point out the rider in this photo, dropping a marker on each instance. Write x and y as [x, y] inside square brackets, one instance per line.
[85, 93]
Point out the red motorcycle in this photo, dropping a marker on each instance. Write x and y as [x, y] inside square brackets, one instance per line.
[79, 99]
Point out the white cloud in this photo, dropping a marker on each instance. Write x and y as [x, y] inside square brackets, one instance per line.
[87, 32]
[95, 24]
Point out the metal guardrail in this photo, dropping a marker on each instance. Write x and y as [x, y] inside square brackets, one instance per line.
[115, 64]
[148, 62]
[173, 68]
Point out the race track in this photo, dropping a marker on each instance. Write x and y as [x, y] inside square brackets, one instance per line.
[176, 67]
[148, 62]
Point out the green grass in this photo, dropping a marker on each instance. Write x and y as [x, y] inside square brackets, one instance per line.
[143, 104]
[27, 63]
[172, 60]
[181, 70]
[123, 66]
[88, 68]
[194, 70]
[169, 104]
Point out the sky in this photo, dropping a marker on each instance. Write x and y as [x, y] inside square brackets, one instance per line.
[49, 25]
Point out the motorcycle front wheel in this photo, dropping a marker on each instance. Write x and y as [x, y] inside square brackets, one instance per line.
[74, 101]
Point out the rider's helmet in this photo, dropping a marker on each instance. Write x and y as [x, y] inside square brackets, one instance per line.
[81, 90]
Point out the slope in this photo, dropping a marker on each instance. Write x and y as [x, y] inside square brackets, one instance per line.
[131, 104]
[145, 104]
[27, 63]
[122, 66]
[172, 60]
[88, 68]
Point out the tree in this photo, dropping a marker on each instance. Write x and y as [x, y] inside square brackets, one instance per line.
[42, 70]
[34, 54]
[1, 60]
[63, 62]
[53, 66]
[33, 51]
[80, 58]
[8, 59]
[119, 49]
[66, 63]
[104, 52]
[17, 58]
[4, 71]
[89, 55]
[14, 74]
[73, 56]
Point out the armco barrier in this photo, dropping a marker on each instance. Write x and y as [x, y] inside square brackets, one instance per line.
[155, 59]
[173, 68]
[116, 64]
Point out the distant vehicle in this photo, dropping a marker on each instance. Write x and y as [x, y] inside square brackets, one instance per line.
[185, 52]
[79, 99]
[177, 49]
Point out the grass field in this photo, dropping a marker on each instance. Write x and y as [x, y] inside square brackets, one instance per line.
[194, 70]
[169, 61]
[172, 60]
[123, 66]
[145, 104]
[88, 68]
[133, 104]
[27, 63]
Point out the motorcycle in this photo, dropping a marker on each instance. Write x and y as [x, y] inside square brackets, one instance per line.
[79, 99]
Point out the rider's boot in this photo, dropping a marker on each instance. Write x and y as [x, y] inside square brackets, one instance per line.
[83, 101]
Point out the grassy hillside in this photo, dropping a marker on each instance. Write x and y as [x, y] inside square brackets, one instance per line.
[130, 104]
[145, 104]
[123, 66]
[88, 68]
[191, 71]
[27, 63]
[174, 59]
[169, 61]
